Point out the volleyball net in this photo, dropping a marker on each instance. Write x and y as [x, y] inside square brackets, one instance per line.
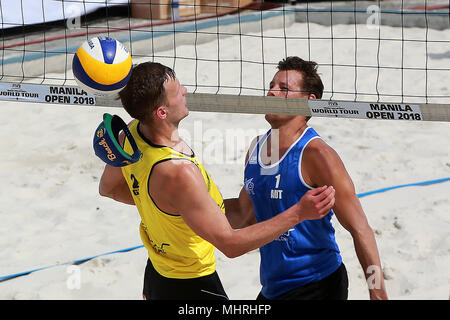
[377, 59]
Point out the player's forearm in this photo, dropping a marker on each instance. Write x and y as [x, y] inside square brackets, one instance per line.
[367, 253]
[255, 236]
[315, 204]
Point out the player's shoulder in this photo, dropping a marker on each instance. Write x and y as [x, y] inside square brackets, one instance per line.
[318, 146]
[318, 151]
[176, 171]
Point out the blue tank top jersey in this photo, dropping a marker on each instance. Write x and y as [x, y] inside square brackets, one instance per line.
[307, 252]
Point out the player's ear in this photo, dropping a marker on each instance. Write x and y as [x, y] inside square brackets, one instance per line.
[312, 96]
[161, 112]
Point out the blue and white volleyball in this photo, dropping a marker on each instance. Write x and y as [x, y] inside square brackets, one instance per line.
[102, 66]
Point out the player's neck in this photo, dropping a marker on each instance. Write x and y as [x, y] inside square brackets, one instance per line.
[163, 135]
[282, 137]
[289, 132]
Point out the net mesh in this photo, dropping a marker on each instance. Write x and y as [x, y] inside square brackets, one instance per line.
[396, 51]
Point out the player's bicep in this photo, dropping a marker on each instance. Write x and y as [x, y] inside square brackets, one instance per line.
[325, 167]
[321, 165]
[192, 201]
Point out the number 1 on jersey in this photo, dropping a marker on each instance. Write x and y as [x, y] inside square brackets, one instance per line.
[275, 193]
[278, 178]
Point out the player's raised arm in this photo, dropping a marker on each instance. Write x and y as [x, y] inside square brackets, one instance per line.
[186, 192]
[113, 185]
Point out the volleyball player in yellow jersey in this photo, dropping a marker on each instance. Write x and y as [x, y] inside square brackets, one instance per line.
[182, 210]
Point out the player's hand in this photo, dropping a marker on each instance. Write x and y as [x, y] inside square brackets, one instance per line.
[316, 203]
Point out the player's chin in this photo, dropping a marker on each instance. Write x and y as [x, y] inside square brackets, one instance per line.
[186, 113]
[271, 118]
[278, 119]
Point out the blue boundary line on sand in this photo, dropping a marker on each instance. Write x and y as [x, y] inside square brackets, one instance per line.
[74, 262]
[80, 261]
[424, 183]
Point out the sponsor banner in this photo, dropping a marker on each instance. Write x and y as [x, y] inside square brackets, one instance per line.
[28, 92]
[365, 110]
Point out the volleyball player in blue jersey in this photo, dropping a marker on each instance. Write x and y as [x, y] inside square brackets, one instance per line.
[281, 166]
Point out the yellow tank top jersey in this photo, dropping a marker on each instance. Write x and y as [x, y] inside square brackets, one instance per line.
[173, 248]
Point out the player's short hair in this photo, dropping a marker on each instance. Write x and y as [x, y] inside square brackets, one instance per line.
[311, 84]
[145, 91]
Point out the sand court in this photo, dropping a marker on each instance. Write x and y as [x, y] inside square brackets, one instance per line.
[51, 211]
